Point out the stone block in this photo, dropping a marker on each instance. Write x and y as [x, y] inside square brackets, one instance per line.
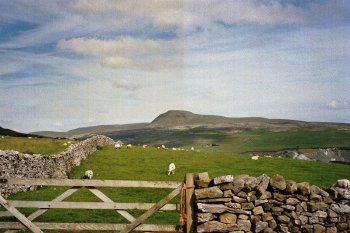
[258, 210]
[205, 217]
[212, 192]
[260, 226]
[201, 180]
[283, 219]
[278, 182]
[212, 208]
[304, 188]
[244, 225]
[228, 218]
[223, 179]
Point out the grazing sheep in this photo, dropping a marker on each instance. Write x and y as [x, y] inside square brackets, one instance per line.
[117, 146]
[192, 148]
[88, 174]
[174, 148]
[65, 144]
[255, 157]
[171, 169]
[158, 147]
[163, 147]
[128, 146]
[144, 146]
[343, 183]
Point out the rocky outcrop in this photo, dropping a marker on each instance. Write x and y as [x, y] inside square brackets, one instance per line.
[269, 204]
[16, 164]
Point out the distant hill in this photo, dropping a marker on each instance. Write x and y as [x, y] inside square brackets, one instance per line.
[86, 131]
[9, 132]
[185, 120]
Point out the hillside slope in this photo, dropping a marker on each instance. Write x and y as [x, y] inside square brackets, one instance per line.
[9, 132]
[185, 120]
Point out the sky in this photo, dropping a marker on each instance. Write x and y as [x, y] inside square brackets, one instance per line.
[69, 64]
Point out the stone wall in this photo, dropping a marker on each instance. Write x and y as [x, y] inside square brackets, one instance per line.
[16, 164]
[269, 204]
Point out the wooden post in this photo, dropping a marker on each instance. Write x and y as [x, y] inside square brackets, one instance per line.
[189, 202]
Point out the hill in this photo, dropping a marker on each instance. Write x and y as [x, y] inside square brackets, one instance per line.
[9, 132]
[87, 131]
[185, 120]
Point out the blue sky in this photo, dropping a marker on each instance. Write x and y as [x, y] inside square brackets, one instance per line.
[67, 64]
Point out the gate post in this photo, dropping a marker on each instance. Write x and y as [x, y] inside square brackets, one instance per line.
[189, 202]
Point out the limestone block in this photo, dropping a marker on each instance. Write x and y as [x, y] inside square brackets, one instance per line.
[304, 188]
[228, 218]
[258, 210]
[202, 180]
[212, 192]
[263, 183]
[283, 219]
[244, 225]
[260, 226]
[205, 217]
[278, 182]
[223, 179]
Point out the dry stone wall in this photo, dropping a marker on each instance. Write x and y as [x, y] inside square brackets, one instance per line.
[16, 164]
[269, 204]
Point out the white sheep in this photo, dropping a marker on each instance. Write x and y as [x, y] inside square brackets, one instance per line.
[144, 146]
[128, 146]
[88, 174]
[192, 148]
[163, 147]
[343, 183]
[117, 146]
[171, 169]
[174, 148]
[255, 157]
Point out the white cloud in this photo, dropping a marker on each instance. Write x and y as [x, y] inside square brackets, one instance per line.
[339, 104]
[130, 53]
[124, 84]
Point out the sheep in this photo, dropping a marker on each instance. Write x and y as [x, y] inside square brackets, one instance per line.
[343, 183]
[128, 146]
[88, 174]
[65, 144]
[255, 157]
[174, 148]
[163, 147]
[117, 146]
[192, 148]
[171, 169]
[144, 146]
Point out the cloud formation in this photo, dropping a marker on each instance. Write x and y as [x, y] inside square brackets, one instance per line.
[130, 53]
[339, 104]
[124, 84]
[271, 58]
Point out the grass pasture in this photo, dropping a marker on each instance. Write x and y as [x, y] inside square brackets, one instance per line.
[151, 164]
[44, 146]
[231, 141]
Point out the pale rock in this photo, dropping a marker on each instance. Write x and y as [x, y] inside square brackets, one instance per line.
[228, 218]
[304, 188]
[201, 180]
[211, 192]
[278, 182]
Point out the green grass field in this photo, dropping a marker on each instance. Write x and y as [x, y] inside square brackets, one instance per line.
[151, 164]
[44, 146]
[240, 141]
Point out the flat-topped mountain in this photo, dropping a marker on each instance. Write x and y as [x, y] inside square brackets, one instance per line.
[185, 120]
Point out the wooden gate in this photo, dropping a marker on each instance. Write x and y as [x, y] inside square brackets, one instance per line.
[121, 208]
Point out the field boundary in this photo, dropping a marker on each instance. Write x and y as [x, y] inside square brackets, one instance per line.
[184, 188]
